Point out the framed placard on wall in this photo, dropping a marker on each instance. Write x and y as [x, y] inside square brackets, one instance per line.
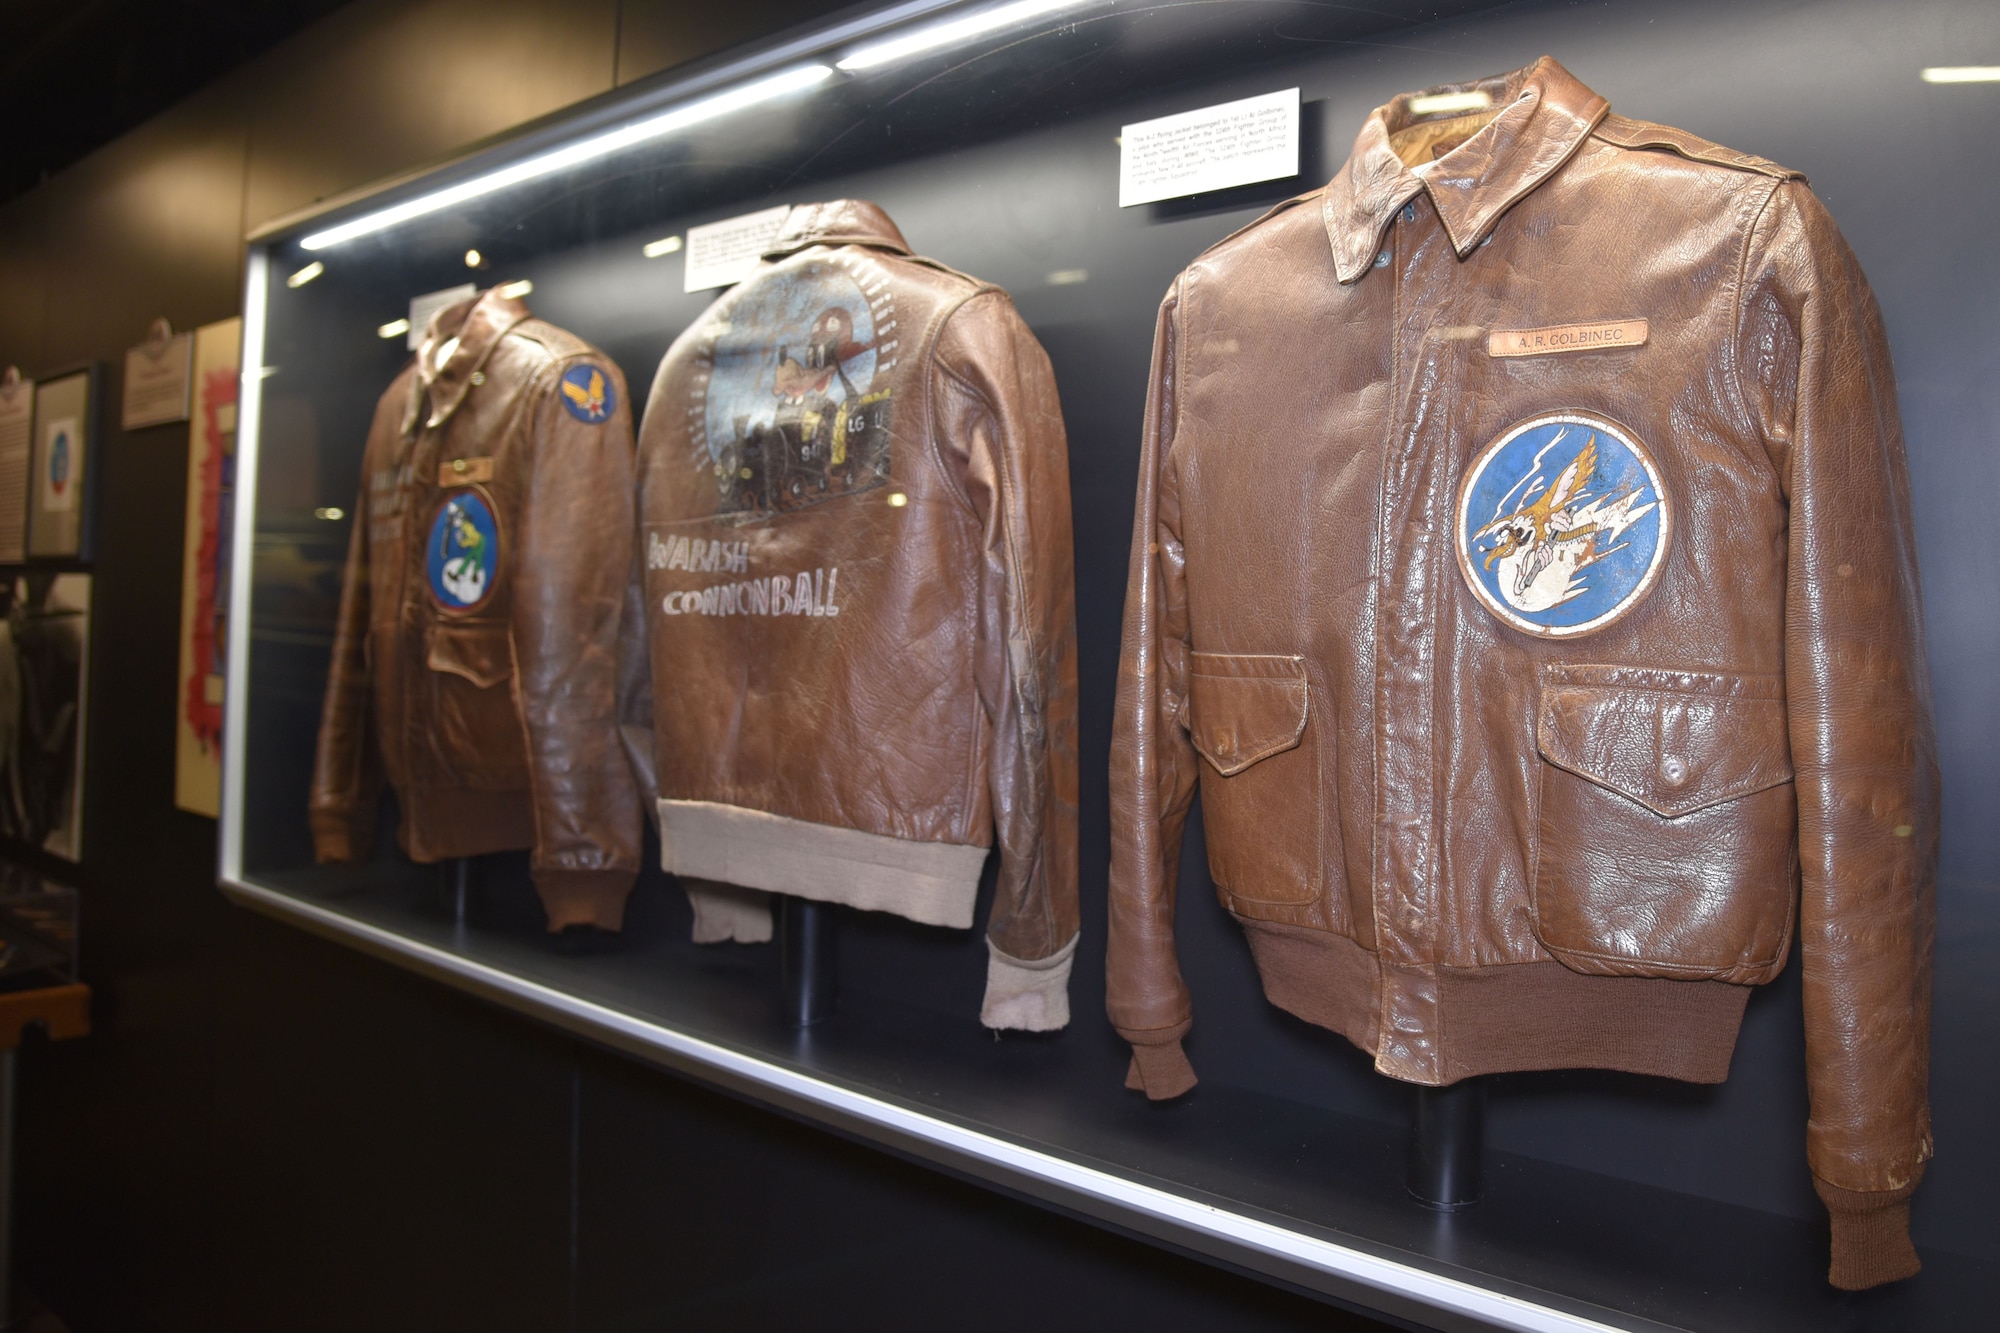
[17, 433]
[61, 476]
[157, 375]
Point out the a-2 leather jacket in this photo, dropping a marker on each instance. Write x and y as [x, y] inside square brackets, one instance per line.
[857, 599]
[1523, 573]
[475, 659]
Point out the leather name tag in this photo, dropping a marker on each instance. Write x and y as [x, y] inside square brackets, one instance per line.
[1599, 337]
[465, 471]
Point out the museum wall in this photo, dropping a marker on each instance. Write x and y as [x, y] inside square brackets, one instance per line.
[269, 1131]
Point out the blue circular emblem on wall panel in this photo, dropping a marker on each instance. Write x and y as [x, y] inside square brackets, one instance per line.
[1562, 524]
[587, 393]
[464, 553]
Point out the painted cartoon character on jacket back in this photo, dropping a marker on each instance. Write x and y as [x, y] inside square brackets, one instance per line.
[793, 421]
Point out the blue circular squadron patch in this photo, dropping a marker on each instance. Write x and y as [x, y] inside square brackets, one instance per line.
[1562, 524]
[587, 393]
[464, 551]
[59, 462]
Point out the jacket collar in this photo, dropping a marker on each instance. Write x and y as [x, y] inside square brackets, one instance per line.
[836, 222]
[478, 324]
[1545, 115]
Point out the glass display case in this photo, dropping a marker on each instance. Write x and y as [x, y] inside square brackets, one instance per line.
[38, 939]
[992, 136]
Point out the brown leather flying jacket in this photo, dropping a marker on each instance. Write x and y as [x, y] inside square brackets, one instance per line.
[476, 654]
[858, 600]
[1523, 564]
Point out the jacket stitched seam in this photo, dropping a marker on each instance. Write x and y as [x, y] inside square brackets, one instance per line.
[544, 384]
[970, 779]
[1734, 791]
[1740, 302]
[1273, 211]
[519, 695]
[1387, 987]
[1671, 692]
[1178, 330]
[928, 407]
[1169, 429]
[1018, 553]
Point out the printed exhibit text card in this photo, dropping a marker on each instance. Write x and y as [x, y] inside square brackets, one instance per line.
[720, 254]
[1214, 148]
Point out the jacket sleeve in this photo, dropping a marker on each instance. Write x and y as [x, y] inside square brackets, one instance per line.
[995, 408]
[1815, 368]
[347, 767]
[571, 568]
[1152, 759]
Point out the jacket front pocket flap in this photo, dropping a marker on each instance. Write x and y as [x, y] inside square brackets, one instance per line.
[1243, 707]
[482, 653]
[1675, 742]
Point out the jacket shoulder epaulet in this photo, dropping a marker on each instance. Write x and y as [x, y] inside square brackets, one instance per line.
[1629, 133]
[557, 342]
[1264, 217]
[938, 266]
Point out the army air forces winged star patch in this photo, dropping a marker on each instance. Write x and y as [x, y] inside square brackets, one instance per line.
[1562, 524]
[587, 393]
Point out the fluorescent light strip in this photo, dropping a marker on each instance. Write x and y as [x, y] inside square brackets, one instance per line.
[957, 30]
[1961, 74]
[638, 132]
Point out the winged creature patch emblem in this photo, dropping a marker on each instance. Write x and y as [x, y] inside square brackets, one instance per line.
[463, 557]
[588, 395]
[1562, 524]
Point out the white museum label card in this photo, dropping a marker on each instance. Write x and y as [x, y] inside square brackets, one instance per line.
[156, 380]
[720, 254]
[423, 307]
[1214, 148]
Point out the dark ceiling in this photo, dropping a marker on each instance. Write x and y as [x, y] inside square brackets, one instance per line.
[76, 74]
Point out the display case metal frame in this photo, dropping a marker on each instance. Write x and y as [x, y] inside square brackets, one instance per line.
[1348, 1268]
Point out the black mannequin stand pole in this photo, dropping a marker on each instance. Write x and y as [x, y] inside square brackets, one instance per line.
[1448, 1144]
[455, 884]
[806, 940]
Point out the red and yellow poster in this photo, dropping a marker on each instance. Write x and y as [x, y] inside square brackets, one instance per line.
[205, 568]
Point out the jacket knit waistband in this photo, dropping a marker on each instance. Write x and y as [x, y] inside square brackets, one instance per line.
[1520, 1016]
[936, 883]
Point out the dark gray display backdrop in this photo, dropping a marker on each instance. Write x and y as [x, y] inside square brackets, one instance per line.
[1830, 87]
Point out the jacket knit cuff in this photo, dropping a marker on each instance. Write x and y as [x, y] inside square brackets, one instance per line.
[726, 912]
[1871, 1235]
[1027, 995]
[335, 839]
[1159, 1067]
[584, 897]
